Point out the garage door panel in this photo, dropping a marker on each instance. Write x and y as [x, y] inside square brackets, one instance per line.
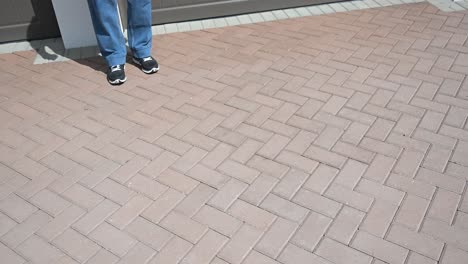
[201, 9]
[27, 19]
[181, 3]
[15, 12]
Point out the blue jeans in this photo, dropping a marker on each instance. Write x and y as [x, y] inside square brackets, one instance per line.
[109, 34]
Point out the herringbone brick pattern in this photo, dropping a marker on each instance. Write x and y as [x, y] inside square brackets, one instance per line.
[334, 139]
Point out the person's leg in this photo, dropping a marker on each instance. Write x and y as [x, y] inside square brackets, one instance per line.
[109, 35]
[139, 27]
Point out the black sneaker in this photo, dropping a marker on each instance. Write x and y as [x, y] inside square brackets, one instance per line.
[148, 65]
[116, 74]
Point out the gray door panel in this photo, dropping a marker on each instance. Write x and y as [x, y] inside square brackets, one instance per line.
[168, 11]
[27, 19]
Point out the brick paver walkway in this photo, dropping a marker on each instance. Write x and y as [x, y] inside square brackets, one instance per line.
[332, 139]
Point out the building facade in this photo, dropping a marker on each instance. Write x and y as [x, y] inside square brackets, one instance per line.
[35, 19]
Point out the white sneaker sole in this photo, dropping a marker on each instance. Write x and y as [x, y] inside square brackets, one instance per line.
[118, 81]
[153, 70]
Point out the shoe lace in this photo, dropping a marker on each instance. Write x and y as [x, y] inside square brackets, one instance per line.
[147, 59]
[116, 68]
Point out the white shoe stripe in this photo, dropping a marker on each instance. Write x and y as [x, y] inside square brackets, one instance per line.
[118, 81]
